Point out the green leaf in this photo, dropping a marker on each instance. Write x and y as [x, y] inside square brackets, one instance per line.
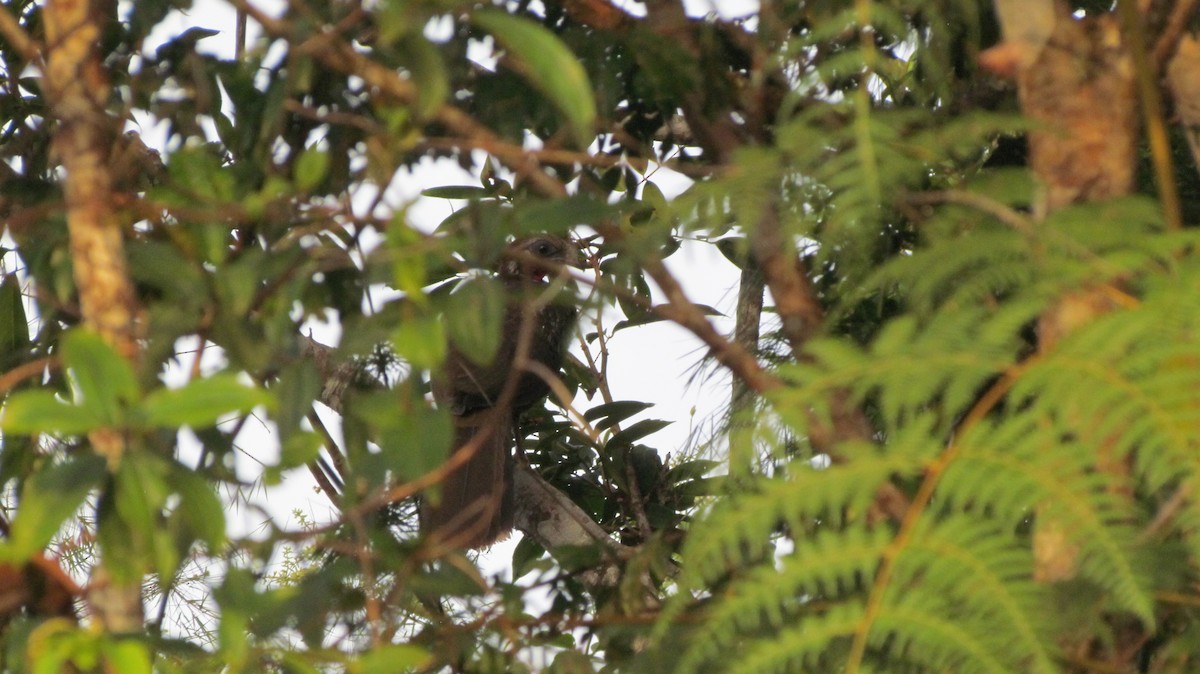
[201, 402]
[413, 437]
[428, 70]
[14, 327]
[558, 216]
[638, 431]
[393, 658]
[131, 517]
[299, 449]
[48, 498]
[421, 340]
[475, 317]
[311, 168]
[31, 412]
[128, 657]
[547, 63]
[298, 385]
[466, 192]
[525, 555]
[200, 507]
[105, 380]
[614, 412]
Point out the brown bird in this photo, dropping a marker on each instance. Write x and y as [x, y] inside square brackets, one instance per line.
[476, 504]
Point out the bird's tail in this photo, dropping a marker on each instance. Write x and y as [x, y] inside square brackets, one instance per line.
[475, 508]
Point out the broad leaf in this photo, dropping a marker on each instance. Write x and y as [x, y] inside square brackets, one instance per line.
[202, 402]
[311, 168]
[549, 65]
[474, 319]
[48, 498]
[199, 507]
[105, 380]
[31, 412]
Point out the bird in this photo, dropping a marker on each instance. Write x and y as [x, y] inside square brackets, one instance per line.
[475, 507]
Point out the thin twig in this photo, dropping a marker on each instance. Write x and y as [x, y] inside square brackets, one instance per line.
[24, 371]
[1168, 41]
[20, 40]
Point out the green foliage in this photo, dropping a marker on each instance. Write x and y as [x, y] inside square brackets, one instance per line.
[549, 65]
[859, 140]
[959, 591]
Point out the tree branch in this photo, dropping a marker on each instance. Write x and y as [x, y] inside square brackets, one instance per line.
[24, 45]
[77, 91]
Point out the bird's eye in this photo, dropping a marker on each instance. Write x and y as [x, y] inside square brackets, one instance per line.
[544, 249]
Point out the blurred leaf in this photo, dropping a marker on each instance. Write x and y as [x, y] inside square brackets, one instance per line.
[525, 555]
[128, 656]
[648, 316]
[640, 290]
[475, 317]
[162, 266]
[429, 74]
[201, 402]
[465, 192]
[549, 65]
[106, 382]
[14, 327]
[132, 529]
[297, 387]
[391, 658]
[420, 339]
[49, 497]
[198, 172]
[199, 507]
[311, 168]
[409, 260]
[692, 470]
[645, 319]
[571, 662]
[413, 437]
[30, 412]
[297, 450]
[734, 248]
[558, 216]
[578, 557]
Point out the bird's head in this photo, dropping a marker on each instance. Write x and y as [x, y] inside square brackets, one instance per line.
[535, 259]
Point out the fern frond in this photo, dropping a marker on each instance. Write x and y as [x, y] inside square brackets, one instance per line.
[736, 530]
[937, 642]
[1014, 480]
[820, 568]
[801, 646]
[975, 570]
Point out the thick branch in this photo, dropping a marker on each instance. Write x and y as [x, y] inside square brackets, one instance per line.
[77, 91]
[746, 327]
